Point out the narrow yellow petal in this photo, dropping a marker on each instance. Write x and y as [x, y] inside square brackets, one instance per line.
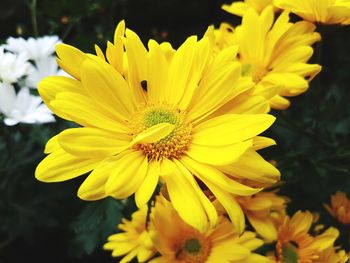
[70, 59]
[91, 142]
[148, 186]
[61, 166]
[129, 172]
[154, 133]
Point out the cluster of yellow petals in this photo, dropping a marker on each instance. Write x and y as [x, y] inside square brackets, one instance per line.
[295, 241]
[339, 207]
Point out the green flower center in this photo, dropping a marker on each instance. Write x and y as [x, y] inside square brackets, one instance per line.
[174, 145]
[192, 246]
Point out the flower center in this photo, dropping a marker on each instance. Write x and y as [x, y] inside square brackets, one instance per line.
[174, 145]
[255, 70]
[194, 250]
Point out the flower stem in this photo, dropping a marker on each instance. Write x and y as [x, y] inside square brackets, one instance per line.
[34, 18]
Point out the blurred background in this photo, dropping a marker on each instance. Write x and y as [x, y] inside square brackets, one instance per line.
[48, 223]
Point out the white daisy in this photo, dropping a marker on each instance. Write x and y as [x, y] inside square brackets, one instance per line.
[43, 67]
[12, 66]
[33, 48]
[22, 107]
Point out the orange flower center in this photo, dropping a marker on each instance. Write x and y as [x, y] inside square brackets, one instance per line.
[194, 250]
[172, 146]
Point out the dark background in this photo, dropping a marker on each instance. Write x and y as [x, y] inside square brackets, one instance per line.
[48, 223]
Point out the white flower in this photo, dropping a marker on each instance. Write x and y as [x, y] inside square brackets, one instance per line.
[33, 48]
[22, 107]
[12, 66]
[44, 67]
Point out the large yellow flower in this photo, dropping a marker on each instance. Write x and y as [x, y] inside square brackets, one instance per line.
[239, 8]
[274, 54]
[340, 207]
[178, 242]
[296, 244]
[260, 210]
[185, 119]
[134, 241]
[320, 11]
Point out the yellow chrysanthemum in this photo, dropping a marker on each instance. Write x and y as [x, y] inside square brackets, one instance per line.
[296, 244]
[259, 210]
[332, 255]
[134, 241]
[320, 11]
[239, 8]
[178, 242]
[340, 207]
[182, 119]
[274, 54]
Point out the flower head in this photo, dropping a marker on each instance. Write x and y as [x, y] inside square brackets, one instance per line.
[178, 242]
[187, 120]
[260, 210]
[340, 207]
[22, 107]
[134, 241]
[13, 67]
[295, 243]
[33, 48]
[324, 12]
[239, 8]
[275, 54]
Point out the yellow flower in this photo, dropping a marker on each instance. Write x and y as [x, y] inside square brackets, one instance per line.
[182, 119]
[320, 11]
[332, 255]
[239, 8]
[134, 241]
[296, 244]
[178, 242]
[340, 207]
[260, 210]
[274, 54]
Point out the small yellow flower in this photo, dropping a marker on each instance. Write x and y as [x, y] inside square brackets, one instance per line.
[319, 11]
[134, 241]
[340, 207]
[260, 210]
[178, 242]
[274, 54]
[239, 8]
[332, 255]
[151, 117]
[296, 244]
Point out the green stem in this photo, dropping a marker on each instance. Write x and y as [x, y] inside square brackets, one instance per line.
[34, 18]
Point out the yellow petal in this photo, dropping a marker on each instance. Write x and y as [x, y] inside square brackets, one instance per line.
[129, 172]
[70, 59]
[218, 155]
[253, 167]
[209, 174]
[231, 128]
[93, 188]
[91, 142]
[49, 87]
[154, 133]
[108, 88]
[264, 227]
[61, 166]
[184, 198]
[148, 186]
[84, 111]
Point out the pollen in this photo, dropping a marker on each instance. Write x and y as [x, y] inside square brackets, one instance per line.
[172, 146]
